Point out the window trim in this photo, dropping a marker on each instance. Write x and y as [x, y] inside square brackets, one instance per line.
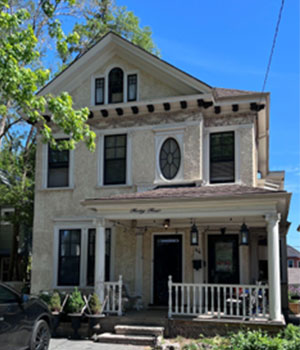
[137, 87]
[160, 138]
[95, 91]
[3, 211]
[106, 84]
[45, 167]
[292, 260]
[210, 156]
[100, 157]
[60, 256]
[206, 150]
[105, 160]
[160, 158]
[83, 226]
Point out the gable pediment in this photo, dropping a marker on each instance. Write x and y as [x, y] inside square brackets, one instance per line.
[156, 78]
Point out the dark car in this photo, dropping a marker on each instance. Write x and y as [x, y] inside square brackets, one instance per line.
[25, 321]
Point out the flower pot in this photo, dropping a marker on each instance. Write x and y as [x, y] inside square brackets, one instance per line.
[75, 322]
[295, 308]
[94, 323]
[55, 322]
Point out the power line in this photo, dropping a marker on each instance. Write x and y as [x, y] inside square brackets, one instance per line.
[273, 46]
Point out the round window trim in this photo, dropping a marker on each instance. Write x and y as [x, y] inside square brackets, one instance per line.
[169, 158]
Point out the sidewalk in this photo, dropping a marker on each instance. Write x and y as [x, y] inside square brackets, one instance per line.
[67, 344]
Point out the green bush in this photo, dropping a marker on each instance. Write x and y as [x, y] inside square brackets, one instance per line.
[94, 304]
[75, 302]
[55, 302]
[45, 297]
[288, 339]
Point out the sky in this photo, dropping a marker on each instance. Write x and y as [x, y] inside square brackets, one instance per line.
[227, 44]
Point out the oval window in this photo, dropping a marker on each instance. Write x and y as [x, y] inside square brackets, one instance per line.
[169, 158]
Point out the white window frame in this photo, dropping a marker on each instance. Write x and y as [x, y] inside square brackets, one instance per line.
[84, 228]
[125, 84]
[160, 137]
[3, 211]
[100, 147]
[45, 168]
[237, 151]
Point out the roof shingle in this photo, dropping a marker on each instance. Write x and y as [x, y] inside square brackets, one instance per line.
[190, 192]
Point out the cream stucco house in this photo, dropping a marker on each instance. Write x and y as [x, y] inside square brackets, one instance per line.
[179, 186]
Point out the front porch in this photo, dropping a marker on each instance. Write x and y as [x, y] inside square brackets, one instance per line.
[205, 302]
[217, 278]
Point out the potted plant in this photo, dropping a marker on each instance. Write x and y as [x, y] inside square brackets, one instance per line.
[95, 308]
[74, 309]
[56, 308]
[294, 299]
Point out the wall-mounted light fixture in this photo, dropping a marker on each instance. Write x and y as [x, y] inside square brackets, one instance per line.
[166, 224]
[194, 235]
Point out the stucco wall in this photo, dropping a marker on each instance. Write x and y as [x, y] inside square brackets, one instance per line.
[51, 203]
[148, 86]
[125, 262]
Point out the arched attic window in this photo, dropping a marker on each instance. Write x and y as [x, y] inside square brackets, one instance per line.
[115, 86]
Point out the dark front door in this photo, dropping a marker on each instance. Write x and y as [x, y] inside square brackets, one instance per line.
[167, 262]
[223, 259]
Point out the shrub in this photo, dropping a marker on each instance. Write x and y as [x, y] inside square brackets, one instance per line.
[94, 304]
[75, 302]
[45, 297]
[55, 302]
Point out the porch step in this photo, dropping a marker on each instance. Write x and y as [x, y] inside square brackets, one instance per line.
[126, 339]
[139, 330]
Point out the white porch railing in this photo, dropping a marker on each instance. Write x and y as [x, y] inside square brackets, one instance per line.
[113, 297]
[218, 300]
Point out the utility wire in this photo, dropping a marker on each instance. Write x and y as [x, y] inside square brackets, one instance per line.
[273, 46]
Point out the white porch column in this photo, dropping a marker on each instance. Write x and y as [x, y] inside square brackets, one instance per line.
[274, 266]
[139, 264]
[100, 259]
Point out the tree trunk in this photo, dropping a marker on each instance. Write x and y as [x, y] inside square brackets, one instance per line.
[12, 271]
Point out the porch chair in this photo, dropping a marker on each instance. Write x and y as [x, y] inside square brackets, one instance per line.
[131, 302]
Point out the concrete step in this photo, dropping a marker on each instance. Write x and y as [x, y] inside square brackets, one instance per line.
[139, 330]
[126, 339]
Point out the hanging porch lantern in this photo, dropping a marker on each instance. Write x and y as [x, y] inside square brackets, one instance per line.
[244, 235]
[194, 235]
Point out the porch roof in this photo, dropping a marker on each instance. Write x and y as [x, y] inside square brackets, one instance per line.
[189, 192]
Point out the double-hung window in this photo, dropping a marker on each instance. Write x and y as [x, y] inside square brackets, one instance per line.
[115, 154]
[90, 274]
[99, 91]
[222, 167]
[69, 257]
[58, 168]
[132, 87]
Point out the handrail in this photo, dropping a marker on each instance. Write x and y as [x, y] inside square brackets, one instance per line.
[244, 301]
